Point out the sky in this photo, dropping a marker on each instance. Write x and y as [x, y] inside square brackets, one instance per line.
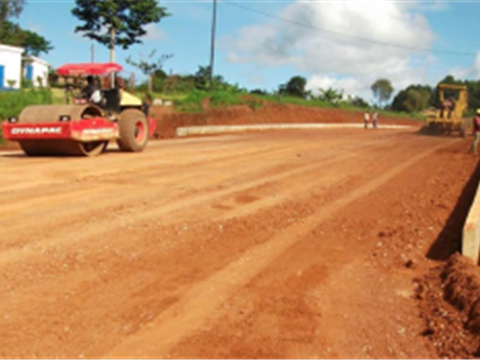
[344, 45]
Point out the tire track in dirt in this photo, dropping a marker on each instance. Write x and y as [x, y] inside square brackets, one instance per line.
[80, 232]
[142, 161]
[325, 297]
[83, 167]
[124, 177]
[200, 302]
[84, 232]
[109, 272]
[66, 207]
[46, 177]
[14, 201]
[260, 198]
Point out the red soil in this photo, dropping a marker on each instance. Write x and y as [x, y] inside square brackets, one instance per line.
[168, 120]
[308, 245]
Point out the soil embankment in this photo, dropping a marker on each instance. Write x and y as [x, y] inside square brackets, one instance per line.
[168, 120]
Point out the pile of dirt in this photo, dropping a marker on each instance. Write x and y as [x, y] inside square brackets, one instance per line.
[449, 298]
[168, 120]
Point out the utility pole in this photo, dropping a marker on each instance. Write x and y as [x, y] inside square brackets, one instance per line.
[92, 52]
[112, 54]
[212, 48]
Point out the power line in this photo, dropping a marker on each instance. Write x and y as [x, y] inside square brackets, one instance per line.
[355, 38]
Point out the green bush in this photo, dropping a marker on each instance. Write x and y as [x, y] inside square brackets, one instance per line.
[13, 102]
[193, 101]
[225, 98]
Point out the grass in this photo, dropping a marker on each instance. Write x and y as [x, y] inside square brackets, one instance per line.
[342, 106]
[58, 96]
[192, 101]
[13, 102]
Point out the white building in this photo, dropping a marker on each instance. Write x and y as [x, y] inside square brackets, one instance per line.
[36, 70]
[10, 66]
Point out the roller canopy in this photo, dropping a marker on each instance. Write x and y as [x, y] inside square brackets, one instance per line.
[89, 69]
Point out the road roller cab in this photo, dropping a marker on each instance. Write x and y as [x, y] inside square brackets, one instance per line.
[83, 128]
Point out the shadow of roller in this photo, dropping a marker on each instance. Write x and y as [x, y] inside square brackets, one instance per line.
[62, 147]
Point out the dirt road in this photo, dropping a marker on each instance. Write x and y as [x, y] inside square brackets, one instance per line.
[277, 244]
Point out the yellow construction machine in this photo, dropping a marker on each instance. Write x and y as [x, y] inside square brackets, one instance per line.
[448, 118]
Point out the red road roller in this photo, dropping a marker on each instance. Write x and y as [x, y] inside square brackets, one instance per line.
[85, 127]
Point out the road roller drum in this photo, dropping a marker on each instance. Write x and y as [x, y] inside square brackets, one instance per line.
[49, 113]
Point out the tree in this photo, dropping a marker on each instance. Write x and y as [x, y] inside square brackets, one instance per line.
[473, 88]
[258, 92]
[413, 98]
[382, 90]
[34, 44]
[202, 79]
[295, 87]
[149, 68]
[358, 101]
[415, 101]
[117, 22]
[330, 95]
[10, 8]
[10, 33]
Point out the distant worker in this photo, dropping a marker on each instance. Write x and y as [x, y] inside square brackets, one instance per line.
[366, 119]
[375, 119]
[476, 133]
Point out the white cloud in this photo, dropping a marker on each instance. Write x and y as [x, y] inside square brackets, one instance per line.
[333, 52]
[471, 72]
[400, 75]
[350, 86]
[154, 33]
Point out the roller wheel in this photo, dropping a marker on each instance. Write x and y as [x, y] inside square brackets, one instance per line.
[133, 129]
[93, 148]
